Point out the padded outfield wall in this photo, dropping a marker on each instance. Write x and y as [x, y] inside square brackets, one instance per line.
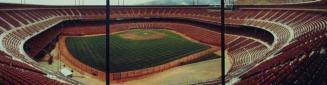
[122, 76]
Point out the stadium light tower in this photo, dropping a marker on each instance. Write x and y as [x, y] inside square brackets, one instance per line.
[123, 2]
[77, 2]
[193, 2]
[197, 2]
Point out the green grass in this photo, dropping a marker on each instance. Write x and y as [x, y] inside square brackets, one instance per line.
[128, 55]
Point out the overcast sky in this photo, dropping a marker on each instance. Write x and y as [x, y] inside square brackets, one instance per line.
[113, 2]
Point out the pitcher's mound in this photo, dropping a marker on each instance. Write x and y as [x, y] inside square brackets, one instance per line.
[143, 35]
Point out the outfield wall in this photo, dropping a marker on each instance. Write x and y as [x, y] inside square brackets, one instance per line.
[202, 35]
[74, 63]
[69, 59]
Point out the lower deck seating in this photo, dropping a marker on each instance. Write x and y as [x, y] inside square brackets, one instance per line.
[16, 73]
[300, 65]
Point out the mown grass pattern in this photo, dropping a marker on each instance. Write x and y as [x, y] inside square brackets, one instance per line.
[127, 54]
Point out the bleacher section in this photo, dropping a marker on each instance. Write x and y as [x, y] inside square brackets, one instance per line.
[16, 73]
[20, 25]
[273, 2]
[303, 63]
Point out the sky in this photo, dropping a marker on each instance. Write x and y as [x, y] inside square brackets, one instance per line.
[114, 2]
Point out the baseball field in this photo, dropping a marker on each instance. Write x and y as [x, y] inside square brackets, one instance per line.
[133, 49]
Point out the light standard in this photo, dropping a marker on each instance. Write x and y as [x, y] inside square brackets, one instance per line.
[193, 2]
[197, 2]
[123, 2]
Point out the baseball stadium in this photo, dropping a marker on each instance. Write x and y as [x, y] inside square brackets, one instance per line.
[163, 42]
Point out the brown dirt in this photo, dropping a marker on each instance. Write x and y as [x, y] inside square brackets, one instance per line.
[133, 36]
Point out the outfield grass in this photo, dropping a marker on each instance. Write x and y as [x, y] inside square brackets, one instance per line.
[128, 54]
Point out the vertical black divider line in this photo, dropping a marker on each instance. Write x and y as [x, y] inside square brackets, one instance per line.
[222, 19]
[107, 42]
